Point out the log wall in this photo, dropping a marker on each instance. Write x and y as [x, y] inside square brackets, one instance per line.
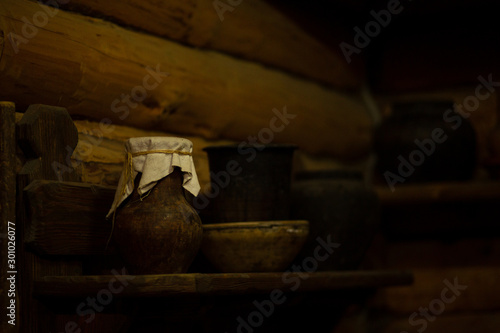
[241, 30]
[219, 81]
[99, 70]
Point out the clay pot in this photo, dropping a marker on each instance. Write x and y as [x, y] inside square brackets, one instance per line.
[264, 246]
[425, 141]
[249, 183]
[161, 233]
[341, 209]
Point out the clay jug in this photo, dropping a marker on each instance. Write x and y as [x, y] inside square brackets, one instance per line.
[161, 233]
[157, 231]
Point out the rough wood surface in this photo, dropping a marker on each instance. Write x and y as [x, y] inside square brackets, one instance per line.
[472, 191]
[221, 284]
[89, 66]
[434, 253]
[68, 218]
[473, 261]
[484, 322]
[7, 203]
[44, 133]
[47, 136]
[99, 155]
[482, 292]
[254, 30]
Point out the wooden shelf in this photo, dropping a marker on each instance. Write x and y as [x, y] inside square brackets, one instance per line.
[444, 210]
[439, 192]
[220, 284]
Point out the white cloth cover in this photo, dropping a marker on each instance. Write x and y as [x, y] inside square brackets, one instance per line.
[155, 165]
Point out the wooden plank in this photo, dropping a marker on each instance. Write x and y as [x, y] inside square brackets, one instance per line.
[8, 210]
[190, 92]
[482, 292]
[441, 253]
[254, 30]
[68, 218]
[316, 281]
[472, 191]
[484, 322]
[144, 286]
[444, 220]
[220, 284]
[45, 134]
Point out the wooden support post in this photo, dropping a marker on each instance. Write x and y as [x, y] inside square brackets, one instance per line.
[7, 211]
[47, 135]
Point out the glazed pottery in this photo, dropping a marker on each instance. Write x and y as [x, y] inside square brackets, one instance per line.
[161, 233]
[340, 209]
[264, 246]
[425, 141]
[250, 183]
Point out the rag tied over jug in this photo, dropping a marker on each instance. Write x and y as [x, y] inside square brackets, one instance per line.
[155, 158]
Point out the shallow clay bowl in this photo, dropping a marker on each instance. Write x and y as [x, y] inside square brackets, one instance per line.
[264, 246]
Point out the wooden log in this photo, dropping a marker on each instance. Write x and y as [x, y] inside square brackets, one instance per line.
[417, 194]
[8, 209]
[178, 89]
[254, 30]
[68, 218]
[428, 254]
[444, 220]
[99, 155]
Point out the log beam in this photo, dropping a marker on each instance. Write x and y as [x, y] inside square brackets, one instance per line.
[254, 30]
[92, 68]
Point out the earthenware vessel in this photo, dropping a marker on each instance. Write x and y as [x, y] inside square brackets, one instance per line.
[341, 209]
[157, 231]
[263, 246]
[425, 141]
[249, 182]
[161, 233]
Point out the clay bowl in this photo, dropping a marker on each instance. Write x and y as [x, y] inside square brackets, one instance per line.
[264, 246]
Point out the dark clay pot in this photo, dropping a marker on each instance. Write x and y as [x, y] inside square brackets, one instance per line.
[160, 234]
[339, 206]
[446, 148]
[250, 183]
